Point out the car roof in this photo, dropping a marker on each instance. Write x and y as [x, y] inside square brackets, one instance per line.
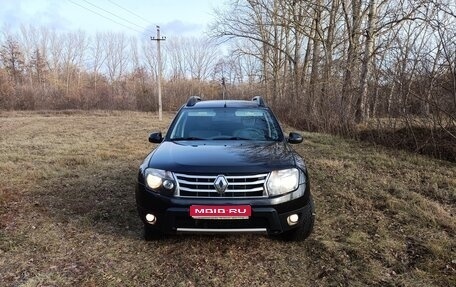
[225, 104]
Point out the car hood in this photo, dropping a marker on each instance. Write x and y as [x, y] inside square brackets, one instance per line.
[226, 157]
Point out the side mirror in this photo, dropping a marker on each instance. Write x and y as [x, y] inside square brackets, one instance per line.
[295, 138]
[156, 137]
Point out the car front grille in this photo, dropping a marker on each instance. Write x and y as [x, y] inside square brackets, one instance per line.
[239, 186]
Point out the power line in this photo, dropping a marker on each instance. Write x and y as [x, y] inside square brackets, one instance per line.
[129, 11]
[101, 15]
[117, 16]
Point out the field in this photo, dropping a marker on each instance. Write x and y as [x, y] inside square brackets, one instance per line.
[68, 217]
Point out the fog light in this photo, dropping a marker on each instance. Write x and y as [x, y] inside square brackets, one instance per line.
[151, 218]
[292, 219]
[168, 184]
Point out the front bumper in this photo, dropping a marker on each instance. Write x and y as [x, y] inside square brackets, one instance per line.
[269, 215]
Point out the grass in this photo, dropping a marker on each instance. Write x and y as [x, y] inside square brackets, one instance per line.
[435, 137]
[68, 217]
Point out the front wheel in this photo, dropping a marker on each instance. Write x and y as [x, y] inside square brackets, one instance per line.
[305, 229]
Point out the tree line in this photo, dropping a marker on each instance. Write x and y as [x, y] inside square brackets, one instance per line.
[41, 68]
[328, 65]
[347, 62]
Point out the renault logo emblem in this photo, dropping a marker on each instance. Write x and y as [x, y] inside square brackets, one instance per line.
[220, 184]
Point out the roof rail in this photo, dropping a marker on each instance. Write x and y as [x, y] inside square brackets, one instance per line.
[193, 100]
[260, 101]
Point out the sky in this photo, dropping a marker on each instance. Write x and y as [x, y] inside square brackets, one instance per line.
[133, 17]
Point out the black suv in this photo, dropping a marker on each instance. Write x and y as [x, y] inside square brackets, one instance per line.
[225, 166]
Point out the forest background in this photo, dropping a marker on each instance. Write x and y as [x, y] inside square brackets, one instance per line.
[383, 71]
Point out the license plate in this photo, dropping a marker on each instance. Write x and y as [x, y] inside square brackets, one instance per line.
[220, 212]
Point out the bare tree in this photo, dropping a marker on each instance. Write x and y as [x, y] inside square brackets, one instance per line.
[200, 55]
[13, 60]
[116, 51]
[38, 68]
[175, 52]
[98, 56]
[150, 58]
[362, 106]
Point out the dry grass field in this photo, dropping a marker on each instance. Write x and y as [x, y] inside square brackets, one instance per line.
[68, 217]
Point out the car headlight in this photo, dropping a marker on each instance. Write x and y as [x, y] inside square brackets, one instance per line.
[159, 180]
[282, 181]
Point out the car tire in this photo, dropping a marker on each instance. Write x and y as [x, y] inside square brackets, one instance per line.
[305, 229]
[151, 233]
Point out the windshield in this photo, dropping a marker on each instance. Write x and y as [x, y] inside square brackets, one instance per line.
[226, 124]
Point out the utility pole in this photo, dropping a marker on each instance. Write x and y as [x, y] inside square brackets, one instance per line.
[158, 39]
